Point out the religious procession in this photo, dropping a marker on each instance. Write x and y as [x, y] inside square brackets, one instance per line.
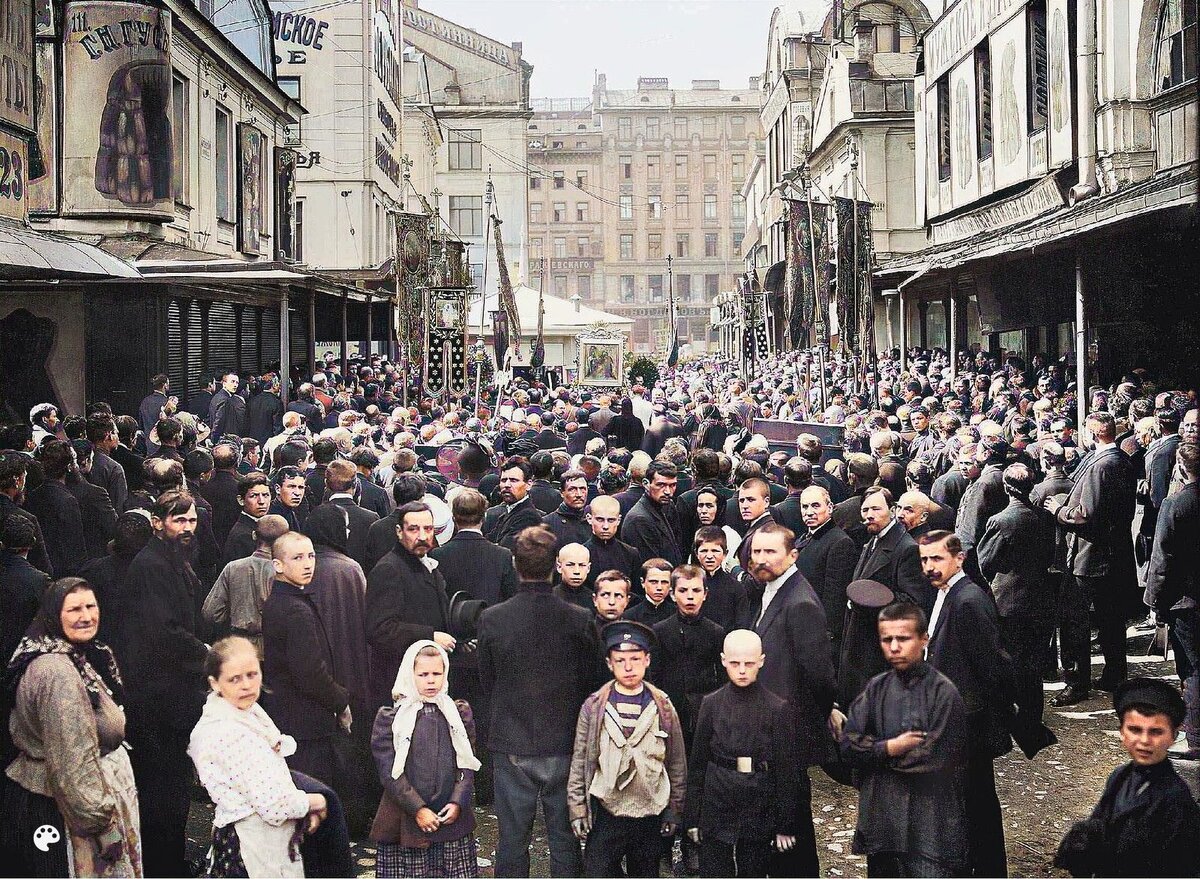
[403, 475]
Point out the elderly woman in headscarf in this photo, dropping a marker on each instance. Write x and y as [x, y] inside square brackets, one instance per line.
[71, 779]
[422, 745]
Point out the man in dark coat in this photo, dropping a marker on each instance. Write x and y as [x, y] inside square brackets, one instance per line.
[57, 510]
[983, 499]
[724, 593]
[890, 556]
[13, 466]
[406, 600]
[827, 557]
[707, 466]
[788, 617]
[797, 476]
[1173, 584]
[105, 472]
[254, 497]
[652, 527]
[1097, 517]
[964, 645]
[227, 411]
[949, 488]
[308, 408]
[862, 471]
[300, 692]
[162, 661]
[151, 407]
[606, 551]
[516, 511]
[536, 658]
[340, 478]
[264, 416]
[1015, 550]
[21, 584]
[569, 522]
[369, 494]
[199, 402]
[290, 489]
[542, 491]
[221, 490]
[1052, 460]
[95, 506]
[131, 462]
[381, 536]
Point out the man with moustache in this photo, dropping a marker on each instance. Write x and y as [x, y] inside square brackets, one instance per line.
[606, 551]
[827, 556]
[890, 556]
[651, 527]
[516, 511]
[163, 661]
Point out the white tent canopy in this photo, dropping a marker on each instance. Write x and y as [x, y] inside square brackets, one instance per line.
[561, 319]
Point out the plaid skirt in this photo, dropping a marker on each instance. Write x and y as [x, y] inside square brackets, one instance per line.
[455, 860]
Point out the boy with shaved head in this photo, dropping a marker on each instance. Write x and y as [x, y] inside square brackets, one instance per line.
[742, 799]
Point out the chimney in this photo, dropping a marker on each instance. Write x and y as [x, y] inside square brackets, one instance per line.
[864, 40]
[754, 80]
[518, 47]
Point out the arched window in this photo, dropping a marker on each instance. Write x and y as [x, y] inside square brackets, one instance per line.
[1175, 60]
[894, 31]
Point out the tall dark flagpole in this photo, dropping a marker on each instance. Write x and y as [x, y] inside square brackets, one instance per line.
[673, 353]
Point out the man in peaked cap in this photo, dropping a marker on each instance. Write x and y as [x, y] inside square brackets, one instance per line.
[859, 659]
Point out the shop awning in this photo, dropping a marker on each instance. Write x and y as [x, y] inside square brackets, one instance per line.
[26, 255]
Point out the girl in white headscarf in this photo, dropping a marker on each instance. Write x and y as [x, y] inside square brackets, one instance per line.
[422, 745]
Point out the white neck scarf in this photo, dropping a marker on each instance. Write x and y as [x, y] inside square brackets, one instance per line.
[254, 718]
[408, 706]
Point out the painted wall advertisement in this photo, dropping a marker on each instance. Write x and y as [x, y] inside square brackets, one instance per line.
[117, 149]
[251, 189]
[43, 170]
[16, 105]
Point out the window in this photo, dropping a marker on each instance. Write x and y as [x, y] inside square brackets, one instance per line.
[739, 166]
[179, 135]
[710, 243]
[710, 166]
[681, 166]
[466, 214]
[559, 180]
[581, 179]
[626, 167]
[298, 238]
[626, 207]
[894, 31]
[943, 124]
[681, 246]
[737, 126]
[708, 127]
[656, 288]
[466, 149]
[535, 182]
[627, 290]
[625, 128]
[1039, 81]
[683, 283]
[581, 144]
[581, 211]
[560, 212]
[737, 208]
[681, 128]
[710, 206]
[1175, 61]
[560, 248]
[535, 212]
[652, 132]
[223, 147]
[653, 167]
[712, 285]
[583, 245]
[585, 286]
[560, 285]
[983, 98]
[656, 207]
[738, 238]
[681, 206]
[556, 144]
[536, 251]
[626, 247]
[654, 250]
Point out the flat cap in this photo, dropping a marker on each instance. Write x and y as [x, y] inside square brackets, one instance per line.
[870, 594]
[627, 635]
[1150, 692]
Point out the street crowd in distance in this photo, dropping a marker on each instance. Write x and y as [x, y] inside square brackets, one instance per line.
[341, 617]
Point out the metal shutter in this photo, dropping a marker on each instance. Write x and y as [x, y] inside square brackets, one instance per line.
[270, 338]
[298, 330]
[222, 338]
[248, 361]
[176, 366]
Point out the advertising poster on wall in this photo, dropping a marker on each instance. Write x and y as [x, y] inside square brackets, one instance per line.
[43, 165]
[117, 149]
[14, 164]
[1011, 148]
[1060, 61]
[251, 189]
[964, 159]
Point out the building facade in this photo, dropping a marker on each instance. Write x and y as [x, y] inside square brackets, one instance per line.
[1056, 174]
[479, 91]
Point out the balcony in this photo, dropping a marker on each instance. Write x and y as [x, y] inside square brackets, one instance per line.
[869, 97]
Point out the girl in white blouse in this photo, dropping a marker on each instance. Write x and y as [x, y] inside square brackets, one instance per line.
[261, 816]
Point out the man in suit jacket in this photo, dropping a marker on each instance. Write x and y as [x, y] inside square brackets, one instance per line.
[983, 499]
[964, 645]
[131, 462]
[890, 556]
[536, 660]
[797, 476]
[542, 491]
[95, 506]
[753, 500]
[516, 511]
[152, 405]
[788, 616]
[1015, 550]
[227, 411]
[826, 557]
[1097, 517]
[105, 472]
[862, 471]
[264, 417]
[57, 510]
[340, 477]
[370, 496]
[221, 490]
[21, 584]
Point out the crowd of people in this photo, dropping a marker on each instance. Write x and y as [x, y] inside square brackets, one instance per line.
[340, 616]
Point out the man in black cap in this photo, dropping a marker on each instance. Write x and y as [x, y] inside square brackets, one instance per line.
[1146, 823]
[860, 659]
[629, 775]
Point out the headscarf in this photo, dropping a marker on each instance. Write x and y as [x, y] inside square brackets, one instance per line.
[94, 660]
[408, 707]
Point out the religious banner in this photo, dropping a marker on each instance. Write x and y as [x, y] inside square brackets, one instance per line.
[508, 301]
[446, 340]
[500, 336]
[805, 283]
[251, 158]
[853, 265]
[412, 277]
[117, 144]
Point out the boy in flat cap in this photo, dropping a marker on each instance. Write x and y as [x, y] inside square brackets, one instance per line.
[629, 771]
[1146, 823]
